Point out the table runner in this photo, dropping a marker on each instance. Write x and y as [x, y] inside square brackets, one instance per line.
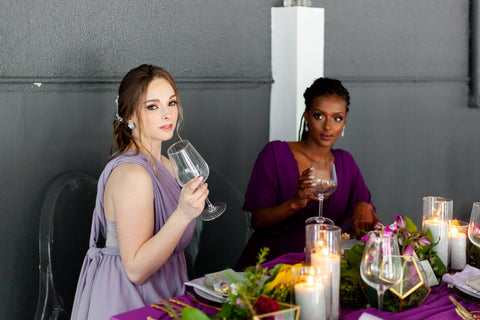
[436, 306]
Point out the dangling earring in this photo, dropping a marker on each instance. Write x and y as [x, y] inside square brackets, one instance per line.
[131, 125]
[306, 127]
[343, 132]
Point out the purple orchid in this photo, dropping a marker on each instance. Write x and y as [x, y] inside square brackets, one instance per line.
[401, 222]
[378, 226]
[424, 241]
[408, 250]
[394, 228]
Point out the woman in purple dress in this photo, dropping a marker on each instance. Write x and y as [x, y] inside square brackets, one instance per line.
[279, 193]
[146, 219]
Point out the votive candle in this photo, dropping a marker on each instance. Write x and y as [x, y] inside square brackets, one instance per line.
[313, 297]
[439, 230]
[457, 239]
[437, 211]
[329, 265]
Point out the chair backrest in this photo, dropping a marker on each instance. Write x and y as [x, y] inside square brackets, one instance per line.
[217, 244]
[64, 232]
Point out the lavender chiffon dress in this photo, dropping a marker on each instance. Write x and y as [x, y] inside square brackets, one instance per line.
[103, 288]
[274, 181]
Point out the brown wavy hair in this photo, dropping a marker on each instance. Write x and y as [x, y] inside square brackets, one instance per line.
[131, 93]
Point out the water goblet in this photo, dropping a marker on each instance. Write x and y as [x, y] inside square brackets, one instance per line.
[381, 266]
[187, 164]
[325, 178]
[474, 225]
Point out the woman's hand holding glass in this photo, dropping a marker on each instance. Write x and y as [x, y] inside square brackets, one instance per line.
[192, 197]
[187, 164]
[324, 185]
[304, 188]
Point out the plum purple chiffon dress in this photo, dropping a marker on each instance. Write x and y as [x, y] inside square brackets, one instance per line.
[103, 288]
[274, 180]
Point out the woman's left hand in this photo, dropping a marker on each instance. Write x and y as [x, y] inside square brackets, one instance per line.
[363, 219]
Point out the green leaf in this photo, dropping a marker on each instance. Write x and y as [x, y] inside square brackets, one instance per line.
[193, 314]
[410, 226]
[354, 255]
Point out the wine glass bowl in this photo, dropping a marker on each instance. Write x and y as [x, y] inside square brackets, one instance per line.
[325, 179]
[187, 164]
[381, 266]
[474, 225]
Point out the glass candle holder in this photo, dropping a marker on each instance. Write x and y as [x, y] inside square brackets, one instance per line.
[457, 244]
[323, 251]
[437, 211]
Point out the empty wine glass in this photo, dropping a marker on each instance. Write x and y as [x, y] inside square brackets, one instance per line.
[474, 225]
[187, 164]
[381, 266]
[325, 178]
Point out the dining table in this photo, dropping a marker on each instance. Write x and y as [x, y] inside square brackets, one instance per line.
[437, 305]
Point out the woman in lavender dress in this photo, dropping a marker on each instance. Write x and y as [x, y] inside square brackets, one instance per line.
[146, 219]
[279, 195]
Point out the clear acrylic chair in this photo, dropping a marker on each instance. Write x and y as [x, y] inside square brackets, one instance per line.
[64, 231]
[217, 244]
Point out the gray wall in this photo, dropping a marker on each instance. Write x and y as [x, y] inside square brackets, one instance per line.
[405, 63]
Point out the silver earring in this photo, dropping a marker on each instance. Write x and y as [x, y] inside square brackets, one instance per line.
[343, 132]
[306, 127]
[131, 125]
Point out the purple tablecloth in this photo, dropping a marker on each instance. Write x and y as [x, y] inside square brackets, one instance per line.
[436, 306]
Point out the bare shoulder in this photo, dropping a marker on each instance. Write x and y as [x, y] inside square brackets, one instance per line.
[129, 174]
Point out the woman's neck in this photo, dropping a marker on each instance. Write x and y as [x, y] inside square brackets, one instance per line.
[316, 152]
[155, 150]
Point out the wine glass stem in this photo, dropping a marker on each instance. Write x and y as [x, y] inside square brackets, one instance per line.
[380, 300]
[210, 206]
[320, 206]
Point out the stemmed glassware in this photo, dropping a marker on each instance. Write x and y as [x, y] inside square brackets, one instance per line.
[474, 225]
[187, 164]
[381, 266]
[325, 178]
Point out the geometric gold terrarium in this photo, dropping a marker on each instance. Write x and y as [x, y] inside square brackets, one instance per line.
[412, 289]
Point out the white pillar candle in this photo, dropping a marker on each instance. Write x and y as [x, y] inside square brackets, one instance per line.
[314, 299]
[458, 248]
[439, 230]
[330, 265]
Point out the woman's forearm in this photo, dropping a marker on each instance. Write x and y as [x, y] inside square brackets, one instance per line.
[269, 216]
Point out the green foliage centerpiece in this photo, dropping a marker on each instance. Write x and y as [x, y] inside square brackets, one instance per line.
[412, 290]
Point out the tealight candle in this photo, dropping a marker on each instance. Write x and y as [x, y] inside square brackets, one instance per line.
[457, 239]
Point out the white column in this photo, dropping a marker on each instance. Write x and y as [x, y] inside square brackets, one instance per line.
[297, 60]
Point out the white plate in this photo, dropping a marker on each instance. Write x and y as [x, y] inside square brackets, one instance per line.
[205, 295]
[474, 282]
[470, 293]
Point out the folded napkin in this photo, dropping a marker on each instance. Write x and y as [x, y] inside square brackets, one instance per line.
[368, 316]
[459, 279]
